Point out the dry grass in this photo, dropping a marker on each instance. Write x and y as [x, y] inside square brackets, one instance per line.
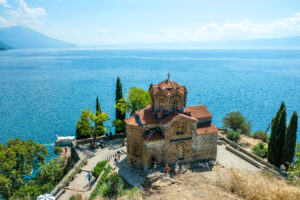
[256, 186]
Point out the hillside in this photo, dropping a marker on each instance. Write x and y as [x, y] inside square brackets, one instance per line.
[3, 46]
[25, 38]
[223, 183]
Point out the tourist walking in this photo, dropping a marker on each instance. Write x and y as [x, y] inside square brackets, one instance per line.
[101, 143]
[89, 177]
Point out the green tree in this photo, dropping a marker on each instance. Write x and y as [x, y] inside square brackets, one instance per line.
[260, 150]
[84, 129]
[262, 135]
[233, 135]
[276, 141]
[288, 150]
[136, 99]
[98, 120]
[235, 121]
[18, 158]
[119, 125]
[119, 114]
[98, 127]
[51, 172]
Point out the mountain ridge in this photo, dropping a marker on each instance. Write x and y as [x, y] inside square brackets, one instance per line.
[20, 37]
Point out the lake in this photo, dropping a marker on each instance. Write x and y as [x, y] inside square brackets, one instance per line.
[43, 91]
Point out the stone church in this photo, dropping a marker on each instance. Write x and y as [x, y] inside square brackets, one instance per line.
[168, 132]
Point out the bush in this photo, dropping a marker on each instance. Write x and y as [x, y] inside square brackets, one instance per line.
[260, 150]
[99, 168]
[100, 185]
[57, 150]
[113, 188]
[262, 135]
[233, 135]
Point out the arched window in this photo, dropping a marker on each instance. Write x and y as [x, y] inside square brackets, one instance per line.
[180, 150]
[174, 105]
[180, 128]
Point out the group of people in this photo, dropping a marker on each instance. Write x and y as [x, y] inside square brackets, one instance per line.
[167, 169]
[117, 157]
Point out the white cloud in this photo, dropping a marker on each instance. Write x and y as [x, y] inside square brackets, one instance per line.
[246, 29]
[26, 15]
[5, 22]
[23, 15]
[4, 3]
[102, 30]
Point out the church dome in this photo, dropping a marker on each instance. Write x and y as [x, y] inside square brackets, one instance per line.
[168, 96]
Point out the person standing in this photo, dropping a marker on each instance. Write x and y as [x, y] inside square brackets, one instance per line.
[89, 176]
[167, 169]
[176, 169]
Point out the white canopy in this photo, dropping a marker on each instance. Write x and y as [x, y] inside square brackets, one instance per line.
[46, 197]
[66, 138]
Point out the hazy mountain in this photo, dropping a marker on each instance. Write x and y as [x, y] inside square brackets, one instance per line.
[21, 37]
[3, 46]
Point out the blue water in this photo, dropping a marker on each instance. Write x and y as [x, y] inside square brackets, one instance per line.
[43, 91]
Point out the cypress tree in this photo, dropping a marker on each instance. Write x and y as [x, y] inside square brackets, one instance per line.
[278, 128]
[119, 95]
[290, 139]
[150, 87]
[98, 129]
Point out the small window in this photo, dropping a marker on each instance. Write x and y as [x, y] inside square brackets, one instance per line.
[179, 133]
[180, 152]
[174, 105]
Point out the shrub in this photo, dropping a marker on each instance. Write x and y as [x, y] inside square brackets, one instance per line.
[262, 135]
[233, 135]
[57, 150]
[260, 150]
[113, 188]
[99, 168]
[99, 188]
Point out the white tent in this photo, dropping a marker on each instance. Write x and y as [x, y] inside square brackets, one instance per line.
[46, 197]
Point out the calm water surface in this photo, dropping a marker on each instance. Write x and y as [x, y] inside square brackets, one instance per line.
[43, 91]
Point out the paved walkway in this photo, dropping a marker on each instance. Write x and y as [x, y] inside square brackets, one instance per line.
[80, 184]
[230, 160]
[135, 177]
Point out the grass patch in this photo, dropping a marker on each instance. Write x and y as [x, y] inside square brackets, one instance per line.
[113, 185]
[99, 168]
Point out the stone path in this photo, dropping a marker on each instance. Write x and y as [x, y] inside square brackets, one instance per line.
[230, 160]
[135, 177]
[80, 184]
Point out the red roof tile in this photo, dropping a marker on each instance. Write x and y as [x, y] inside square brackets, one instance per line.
[168, 86]
[198, 111]
[146, 115]
[131, 121]
[207, 129]
[173, 116]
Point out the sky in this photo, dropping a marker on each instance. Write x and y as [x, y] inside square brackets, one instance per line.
[103, 22]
